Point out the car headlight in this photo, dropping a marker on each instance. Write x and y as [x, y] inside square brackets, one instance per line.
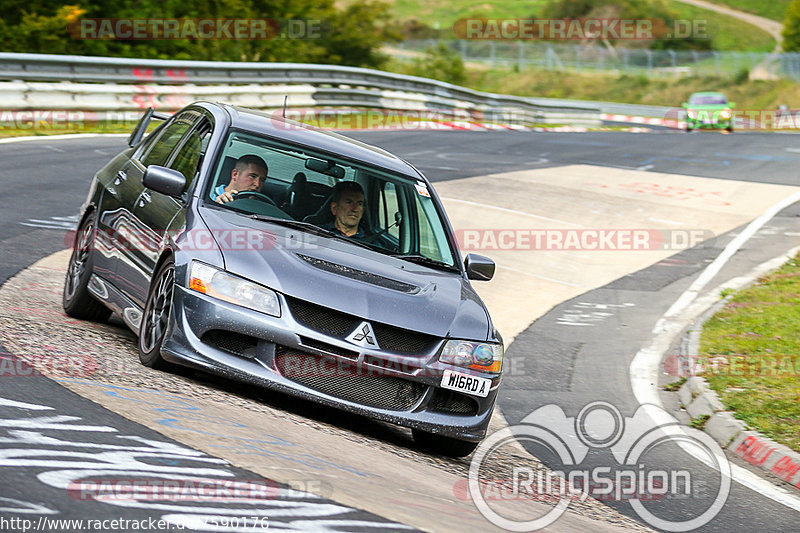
[692, 113]
[725, 113]
[485, 356]
[224, 286]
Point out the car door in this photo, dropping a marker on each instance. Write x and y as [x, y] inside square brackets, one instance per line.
[156, 211]
[122, 186]
[139, 241]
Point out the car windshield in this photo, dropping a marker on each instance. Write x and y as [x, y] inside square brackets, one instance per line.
[291, 185]
[708, 99]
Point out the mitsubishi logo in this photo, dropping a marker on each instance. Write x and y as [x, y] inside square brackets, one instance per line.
[363, 336]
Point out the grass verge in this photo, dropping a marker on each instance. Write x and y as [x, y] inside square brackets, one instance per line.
[42, 131]
[772, 9]
[751, 353]
[726, 32]
[632, 89]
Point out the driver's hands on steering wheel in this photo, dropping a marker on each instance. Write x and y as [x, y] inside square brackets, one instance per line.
[226, 197]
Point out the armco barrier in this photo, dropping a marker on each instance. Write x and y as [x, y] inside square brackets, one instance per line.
[39, 81]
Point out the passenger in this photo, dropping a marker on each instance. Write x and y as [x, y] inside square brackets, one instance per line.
[248, 174]
[347, 207]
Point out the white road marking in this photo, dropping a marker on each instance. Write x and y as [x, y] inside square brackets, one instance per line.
[53, 148]
[713, 269]
[644, 367]
[46, 226]
[67, 222]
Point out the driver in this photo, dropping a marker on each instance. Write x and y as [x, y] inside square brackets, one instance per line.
[248, 174]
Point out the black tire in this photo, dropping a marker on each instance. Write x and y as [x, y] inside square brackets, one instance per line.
[76, 299]
[156, 316]
[441, 445]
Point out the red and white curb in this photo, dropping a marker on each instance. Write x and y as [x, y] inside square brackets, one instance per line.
[651, 121]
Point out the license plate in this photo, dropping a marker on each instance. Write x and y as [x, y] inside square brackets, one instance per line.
[466, 383]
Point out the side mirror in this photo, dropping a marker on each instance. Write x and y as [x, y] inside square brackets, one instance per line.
[478, 267]
[685, 105]
[164, 180]
[731, 104]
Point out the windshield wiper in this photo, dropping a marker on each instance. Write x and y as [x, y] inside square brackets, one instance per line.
[291, 223]
[427, 261]
[311, 228]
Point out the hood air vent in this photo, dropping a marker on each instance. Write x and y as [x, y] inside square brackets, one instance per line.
[367, 277]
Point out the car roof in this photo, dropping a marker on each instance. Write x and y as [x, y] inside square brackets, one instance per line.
[708, 93]
[276, 126]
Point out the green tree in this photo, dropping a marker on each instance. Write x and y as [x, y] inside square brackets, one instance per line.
[350, 36]
[441, 63]
[791, 28]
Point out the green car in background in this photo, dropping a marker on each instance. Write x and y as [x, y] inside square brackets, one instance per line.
[708, 110]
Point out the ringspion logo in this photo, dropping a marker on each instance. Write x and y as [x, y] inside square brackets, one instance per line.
[626, 465]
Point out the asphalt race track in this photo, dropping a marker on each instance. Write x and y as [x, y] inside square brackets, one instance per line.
[594, 311]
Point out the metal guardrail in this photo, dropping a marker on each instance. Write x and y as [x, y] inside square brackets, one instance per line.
[139, 83]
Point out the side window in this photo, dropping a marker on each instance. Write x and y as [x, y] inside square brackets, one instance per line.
[169, 138]
[388, 206]
[187, 159]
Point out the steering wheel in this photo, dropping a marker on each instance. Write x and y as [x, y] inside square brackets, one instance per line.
[255, 194]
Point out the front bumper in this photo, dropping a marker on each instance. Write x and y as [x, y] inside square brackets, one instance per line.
[720, 124]
[287, 355]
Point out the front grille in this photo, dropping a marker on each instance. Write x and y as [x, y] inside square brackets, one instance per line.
[402, 340]
[338, 324]
[322, 319]
[346, 381]
[325, 347]
[228, 341]
[447, 401]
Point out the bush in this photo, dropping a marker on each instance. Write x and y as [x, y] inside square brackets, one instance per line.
[743, 76]
[791, 28]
